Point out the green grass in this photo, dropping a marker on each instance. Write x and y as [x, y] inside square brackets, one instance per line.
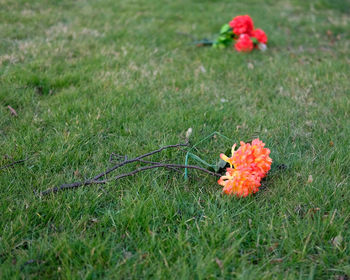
[88, 78]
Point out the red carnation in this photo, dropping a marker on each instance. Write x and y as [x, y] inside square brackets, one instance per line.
[260, 35]
[242, 25]
[244, 44]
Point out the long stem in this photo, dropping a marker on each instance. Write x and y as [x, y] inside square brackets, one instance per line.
[13, 163]
[136, 159]
[156, 165]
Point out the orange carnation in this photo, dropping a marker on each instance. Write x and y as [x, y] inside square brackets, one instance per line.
[239, 182]
[251, 163]
[253, 156]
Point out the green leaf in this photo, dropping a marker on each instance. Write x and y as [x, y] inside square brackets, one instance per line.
[220, 166]
[225, 28]
[197, 158]
[255, 41]
[219, 45]
[224, 40]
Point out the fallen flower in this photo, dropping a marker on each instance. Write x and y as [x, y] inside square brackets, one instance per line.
[240, 32]
[260, 35]
[253, 156]
[248, 165]
[244, 43]
[239, 182]
[242, 25]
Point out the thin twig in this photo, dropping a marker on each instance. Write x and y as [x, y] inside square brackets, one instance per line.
[155, 162]
[120, 164]
[13, 163]
[139, 160]
[113, 155]
[90, 182]
[166, 165]
[136, 159]
[151, 162]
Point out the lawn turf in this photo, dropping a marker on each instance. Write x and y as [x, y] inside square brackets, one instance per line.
[88, 78]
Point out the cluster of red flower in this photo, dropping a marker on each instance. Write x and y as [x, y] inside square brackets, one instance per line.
[248, 38]
[248, 165]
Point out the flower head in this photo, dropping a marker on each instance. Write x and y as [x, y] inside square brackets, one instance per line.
[244, 43]
[251, 163]
[260, 35]
[239, 182]
[242, 25]
[254, 156]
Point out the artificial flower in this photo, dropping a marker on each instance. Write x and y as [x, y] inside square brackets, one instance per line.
[254, 156]
[240, 32]
[239, 182]
[244, 43]
[248, 165]
[260, 35]
[242, 25]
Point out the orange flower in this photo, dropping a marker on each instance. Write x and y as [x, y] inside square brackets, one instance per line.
[251, 163]
[254, 156]
[239, 182]
[226, 158]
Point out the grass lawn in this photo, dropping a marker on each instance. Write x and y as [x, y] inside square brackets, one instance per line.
[88, 78]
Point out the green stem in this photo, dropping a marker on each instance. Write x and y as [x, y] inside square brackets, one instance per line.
[188, 154]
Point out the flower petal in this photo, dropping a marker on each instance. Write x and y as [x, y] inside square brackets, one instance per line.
[224, 157]
[233, 149]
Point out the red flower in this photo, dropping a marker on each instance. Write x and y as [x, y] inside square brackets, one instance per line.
[242, 25]
[244, 44]
[260, 35]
